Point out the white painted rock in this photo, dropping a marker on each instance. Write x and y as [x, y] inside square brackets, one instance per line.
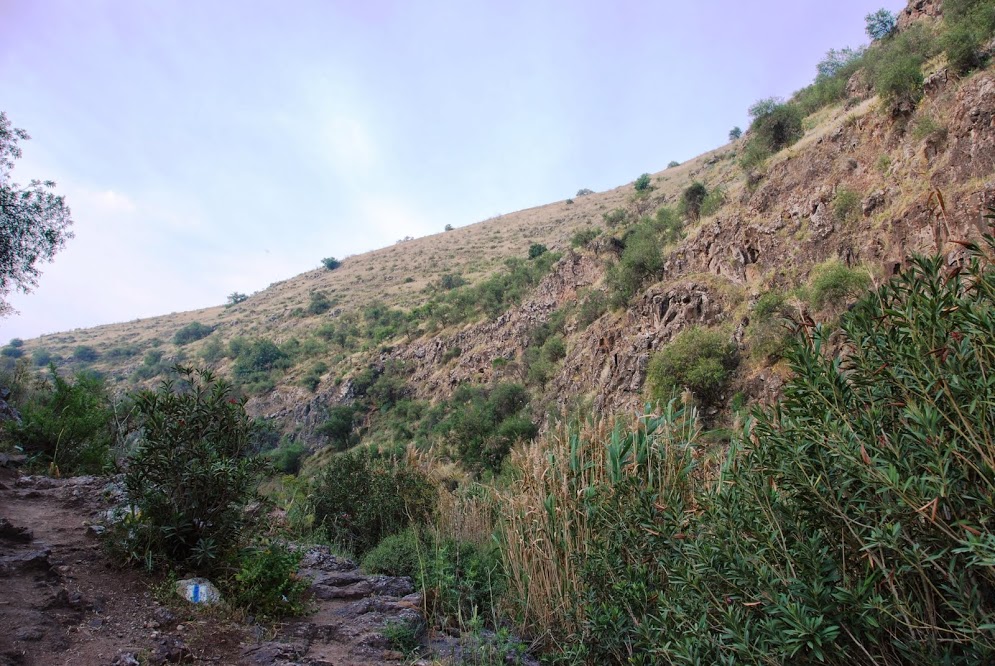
[198, 591]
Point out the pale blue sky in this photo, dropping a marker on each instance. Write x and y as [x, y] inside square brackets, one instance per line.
[216, 146]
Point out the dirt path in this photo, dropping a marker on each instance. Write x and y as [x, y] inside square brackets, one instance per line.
[62, 602]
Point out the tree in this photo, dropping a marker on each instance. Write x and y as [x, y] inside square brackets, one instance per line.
[235, 298]
[331, 263]
[642, 183]
[692, 198]
[449, 227]
[735, 133]
[34, 221]
[880, 24]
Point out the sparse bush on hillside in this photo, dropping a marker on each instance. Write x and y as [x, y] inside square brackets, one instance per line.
[846, 205]
[190, 477]
[712, 202]
[331, 263]
[776, 125]
[537, 250]
[592, 307]
[698, 359]
[642, 183]
[192, 332]
[735, 133]
[212, 351]
[11, 351]
[338, 427]
[691, 200]
[768, 332]
[319, 303]
[42, 357]
[583, 192]
[267, 584]
[450, 281]
[833, 73]
[448, 227]
[582, 237]
[85, 354]
[832, 283]
[641, 260]
[673, 163]
[359, 499]
[615, 217]
[880, 24]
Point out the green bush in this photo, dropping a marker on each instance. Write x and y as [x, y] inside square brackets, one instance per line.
[691, 200]
[190, 477]
[880, 24]
[319, 303]
[615, 217]
[396, 555]
[42, 357]
[583, 192]
[846, 206]
[235, 298]
[641, 260]
[970, 24]
[85, 354]
[256, 356]
[775, 126]
[735, 133]
[191, 333]
[331, 263]
[66, 426]
[537, 250]
[642, 183]
[768, 332]
[832, 283]
[673, 163]
[287, 457]
[699, 359]
[451, 281]
[895, 65]
[582, 237]
[267, 584]
[338, 427]
[592, 307]
[360, 499]
[466, 580]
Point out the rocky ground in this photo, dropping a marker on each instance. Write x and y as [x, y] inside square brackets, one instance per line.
[65, 602]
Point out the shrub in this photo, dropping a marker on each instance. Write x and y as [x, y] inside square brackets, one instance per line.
[642, 183]
[615, 217]
[969, 25]
[267, 583]
[338, 427]
[712, 202]
[591, 308]
[15, 342]
[537, 250]
[768, 331]
[11, 351]
[212, 351]
[583, 192]
[775, 126]
[331, 263]
[450, 281]
[895, 66]
[641, 260]
[582, 237]
[67, 426]
[190, 477]
[85, 354]
[42, 357]
[191, 333]
[673, 163]
[554, 349]
[691, 200]
[395, 555]
[846, 205]
[466, 580]
[360, 499]
[927, 127]
[735, 133]
[448, 227]
[699, 359]
[832, 283]
[319, 303]
[287, 458]
[256, 356]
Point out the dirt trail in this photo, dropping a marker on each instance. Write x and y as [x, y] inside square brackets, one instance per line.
[63, 602]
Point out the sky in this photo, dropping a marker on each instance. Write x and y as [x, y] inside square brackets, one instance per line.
[222, 145]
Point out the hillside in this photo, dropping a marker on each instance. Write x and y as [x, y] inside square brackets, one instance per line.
[863, 185]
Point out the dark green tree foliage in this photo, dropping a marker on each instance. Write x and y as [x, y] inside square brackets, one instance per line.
[190, 477]
[896, 66]
[331, 263]
[537, 250]
[235, 298]
[68, 424]
[192, 332]
[642, 183]
[255, 356]
[360, 498]
[691, 200]
[698, 359]
[34, 221]
[85, 354]
[776, 124]
[735, 133]
[318, 303]
[338, 427]
[641, 260]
